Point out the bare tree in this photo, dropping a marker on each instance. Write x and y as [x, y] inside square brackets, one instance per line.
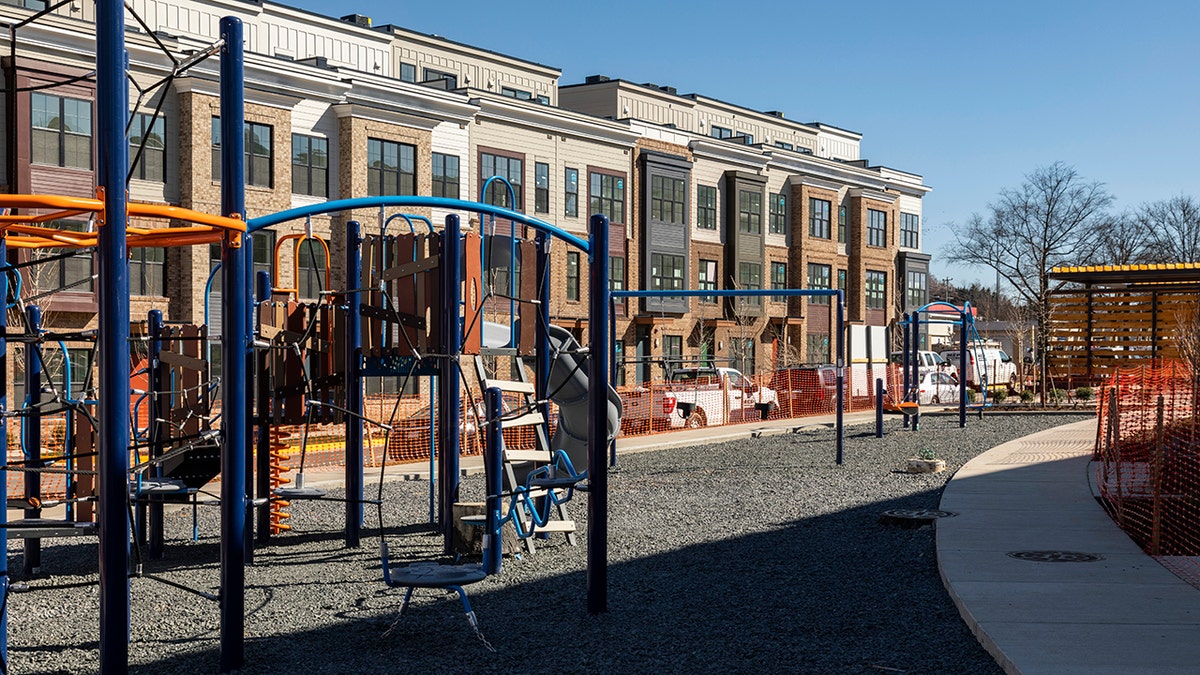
[1122, 240]
[1052, 219]
[1173, 227]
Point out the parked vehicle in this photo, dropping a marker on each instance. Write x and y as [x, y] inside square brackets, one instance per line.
[697, 397]
[929, 361]
[937, 388]
[805, 389]
[987, 363]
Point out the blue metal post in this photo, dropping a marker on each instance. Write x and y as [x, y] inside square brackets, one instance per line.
[841, 373]
[112, 111]
[598, 345]
[154, 322]
[31, 433]
[904, 361]
[916, 367]
[235, 269]
[493, 468]
[878, 407]
[450, 389]
[962, 371]
[263, 415]
[4, 456]
[354, 393]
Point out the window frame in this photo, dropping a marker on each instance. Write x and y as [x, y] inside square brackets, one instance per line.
[667, 271]
[779, 279]
[497, 194]
[612, 205]
[910, 230]
[877, 228]
[308, 168]
[572, 276]
[749, 212]
[706, 211]
[571, 192]
[705, 282]
[137, 132]
[670, 208]
[750, 279]
[875, 289]
[442, 180]
[818, 217]
[822, 280]
[382, 171]
[541, 187]
[778, 213]
[61, 133]
[142, 272]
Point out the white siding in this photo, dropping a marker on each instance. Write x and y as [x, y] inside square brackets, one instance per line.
[450, 138]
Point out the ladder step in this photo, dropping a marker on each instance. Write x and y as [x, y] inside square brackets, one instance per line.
[556, 526]
[511, 386]
[526, 456]
[528, 419]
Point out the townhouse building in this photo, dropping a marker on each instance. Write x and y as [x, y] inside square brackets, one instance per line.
[701, 193]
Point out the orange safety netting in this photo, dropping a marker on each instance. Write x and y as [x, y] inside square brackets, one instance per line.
[1148, 464]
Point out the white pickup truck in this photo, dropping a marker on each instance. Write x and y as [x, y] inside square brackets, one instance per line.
[697, 397]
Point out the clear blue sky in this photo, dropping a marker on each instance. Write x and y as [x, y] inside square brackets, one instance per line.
[971, 95]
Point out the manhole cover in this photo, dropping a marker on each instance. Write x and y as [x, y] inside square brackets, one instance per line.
[1055, 556]
[912, 518]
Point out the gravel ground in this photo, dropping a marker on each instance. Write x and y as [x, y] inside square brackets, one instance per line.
[759, 554]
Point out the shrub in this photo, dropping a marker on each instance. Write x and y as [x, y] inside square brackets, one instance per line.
[1083, 393]
[1057, 395]
[1027, 396]
[999, 395]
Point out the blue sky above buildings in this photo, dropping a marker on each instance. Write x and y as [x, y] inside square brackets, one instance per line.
[970, 95]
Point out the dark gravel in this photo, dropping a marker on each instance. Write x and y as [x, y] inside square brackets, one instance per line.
[757, 554]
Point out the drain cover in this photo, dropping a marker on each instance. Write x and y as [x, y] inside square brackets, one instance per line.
[1055, 556]
[912, 518]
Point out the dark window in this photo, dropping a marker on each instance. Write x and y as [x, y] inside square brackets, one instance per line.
[816, 347]
[667, 201]
[706, 207]
[75, 271]
[778, 221]
[451, 79]
[152, 163]
[842, 225]
[785, 146]
[876, 286]
[749, 212]
[509, 168]
[910, 230]
[607, 193]
[818, 280]
[842, 275]
[445, 175]
[750, 279]
[672, 350]
[259, 153]
[310, 165]
[571, 192]
[876, 228]
[62, 131]
[542, 99]
[408, 72]
[310, 265]
[779, 280]
[619, 362]
[818, 218]
[915, 289]
[147, 274]
[741, 351]
[516, 93]
[391, 168]
[719, 132]
[616, 273]
[573, 276]
[708, 279]
[541, 187]
[666, 272]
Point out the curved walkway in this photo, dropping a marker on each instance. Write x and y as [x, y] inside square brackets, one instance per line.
[1124, 613]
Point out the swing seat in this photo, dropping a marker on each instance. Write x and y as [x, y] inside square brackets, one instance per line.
[298, 493]
[905, 408]
[433, 575]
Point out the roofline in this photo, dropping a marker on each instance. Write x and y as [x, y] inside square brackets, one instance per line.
[394, 29]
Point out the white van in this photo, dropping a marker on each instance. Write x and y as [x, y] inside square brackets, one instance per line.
[988, 363]
[929, 362]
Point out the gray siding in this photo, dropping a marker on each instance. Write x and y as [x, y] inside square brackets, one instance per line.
[660, 236]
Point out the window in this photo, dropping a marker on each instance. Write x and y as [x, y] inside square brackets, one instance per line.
[508, 168]
[618, 364]
[741, 351]
[785, 146]
[816, 347]
[876, 289]
[408, 72]
[750, 279]
[147, 274]
[542, 99]
[706, 207]
[571, 192]
[910, 230]
[70, 274]
[310, 165]
[915, 290]
[748, 139]
[708, 280]
[876, 228]
[259, 153]
[672, 350]
[310, 266]
[573, 276]
[778, 216]
[818, 218]
[451, 79]
[445, 175]
[516, 93]
[62, 131]
[667, 201]
[607, 193]
[842, 274]
[719, 132]
[666, 272]
[541, 187]
[616, 273]
[80, 361]
[818, 280]
[749, 212]
[152, 163]
[842, 225]
[779, 280]
[391, 168]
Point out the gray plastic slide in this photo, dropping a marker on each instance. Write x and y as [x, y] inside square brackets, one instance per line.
[568, 388]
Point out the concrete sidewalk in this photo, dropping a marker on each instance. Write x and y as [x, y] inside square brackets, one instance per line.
[1122, 613]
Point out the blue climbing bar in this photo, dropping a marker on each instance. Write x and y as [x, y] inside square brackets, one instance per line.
[598, 339]
[112, 112]
[354, 392]
[235, 270]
